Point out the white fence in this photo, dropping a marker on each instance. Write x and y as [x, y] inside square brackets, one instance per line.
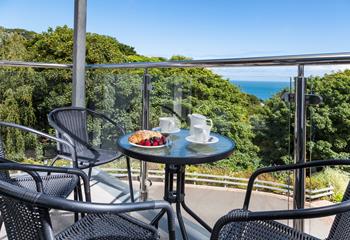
[226, 181]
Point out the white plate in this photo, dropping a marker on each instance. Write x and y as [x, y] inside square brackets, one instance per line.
[176, 130]
[191, 140]
[150, 147]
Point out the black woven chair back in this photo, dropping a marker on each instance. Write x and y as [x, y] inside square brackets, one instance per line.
[2, 149]
[74, 122]
[22, 221]
[4, 175]
[341, 225]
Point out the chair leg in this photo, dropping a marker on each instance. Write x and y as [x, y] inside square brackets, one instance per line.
[1, 221]
[76, 215]
[131, 189]
[80, 196]
[54, 160]
[90, 172]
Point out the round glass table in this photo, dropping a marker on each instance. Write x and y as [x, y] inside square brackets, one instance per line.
[176, 155]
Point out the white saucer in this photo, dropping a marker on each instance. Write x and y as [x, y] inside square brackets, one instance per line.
[192, 140]
[176, 130]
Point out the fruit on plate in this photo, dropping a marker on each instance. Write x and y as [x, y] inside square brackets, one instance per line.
[147, 138]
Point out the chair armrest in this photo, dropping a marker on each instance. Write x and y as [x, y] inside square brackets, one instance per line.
[68, 143]
[246, 216]
[33, 169]
[319, 163]
[4, 160]
[46, 201]
[11, 165]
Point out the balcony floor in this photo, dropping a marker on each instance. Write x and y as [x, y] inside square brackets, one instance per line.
[209, 202]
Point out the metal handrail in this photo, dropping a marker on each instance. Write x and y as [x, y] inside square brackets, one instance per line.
[6, 63]
[225, 181]
[287, 60]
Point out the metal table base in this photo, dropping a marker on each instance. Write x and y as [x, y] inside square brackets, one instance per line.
[177, 196]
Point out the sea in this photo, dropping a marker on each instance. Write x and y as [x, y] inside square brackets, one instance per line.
[261, 89]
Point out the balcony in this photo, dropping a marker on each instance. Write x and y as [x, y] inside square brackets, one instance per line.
[296, 131]
[210, 196]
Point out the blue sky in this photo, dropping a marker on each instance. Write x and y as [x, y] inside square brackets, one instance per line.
[203, 28]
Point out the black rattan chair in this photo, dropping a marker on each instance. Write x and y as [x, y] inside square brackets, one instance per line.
[59, 185]
[26, 215]
[71, 124]
[243, 224]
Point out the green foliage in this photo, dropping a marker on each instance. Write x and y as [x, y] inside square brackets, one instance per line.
[329, 122]
[16, 106]
[12, 45]
[336, 178]
[274, 125]
[25, 33]
[127, 50]
[116, 94]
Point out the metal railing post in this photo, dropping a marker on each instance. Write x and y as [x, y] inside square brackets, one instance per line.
[299, 144]
[79, 49]
[146, 88]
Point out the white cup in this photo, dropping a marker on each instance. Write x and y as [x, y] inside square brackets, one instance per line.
[167, 124]
[201, 133]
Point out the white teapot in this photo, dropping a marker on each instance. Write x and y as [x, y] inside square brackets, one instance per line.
[198, 119]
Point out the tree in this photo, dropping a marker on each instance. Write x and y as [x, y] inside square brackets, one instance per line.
[12, 45]
[274, 129]
[328, 124]
[331, 120]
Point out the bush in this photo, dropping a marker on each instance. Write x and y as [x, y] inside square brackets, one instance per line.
[336, 178]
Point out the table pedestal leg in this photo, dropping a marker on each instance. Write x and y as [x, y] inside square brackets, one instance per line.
[181, 222]
[177, 197]
[196, 217]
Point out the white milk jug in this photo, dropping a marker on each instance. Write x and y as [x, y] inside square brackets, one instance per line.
[198, 119]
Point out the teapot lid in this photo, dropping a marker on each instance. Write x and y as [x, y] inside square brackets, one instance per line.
[197, 115]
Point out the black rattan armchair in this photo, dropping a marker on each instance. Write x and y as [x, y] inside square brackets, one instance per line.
[71, 124]
[59, 185]
[243, 225]
[26, 215]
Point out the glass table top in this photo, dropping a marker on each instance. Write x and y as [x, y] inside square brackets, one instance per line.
[179, 151]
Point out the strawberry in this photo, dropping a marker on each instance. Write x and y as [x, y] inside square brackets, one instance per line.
[142, 142]
[155, 143]
[147, 143]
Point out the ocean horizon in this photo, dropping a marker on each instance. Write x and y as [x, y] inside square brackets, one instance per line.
[261, 89]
